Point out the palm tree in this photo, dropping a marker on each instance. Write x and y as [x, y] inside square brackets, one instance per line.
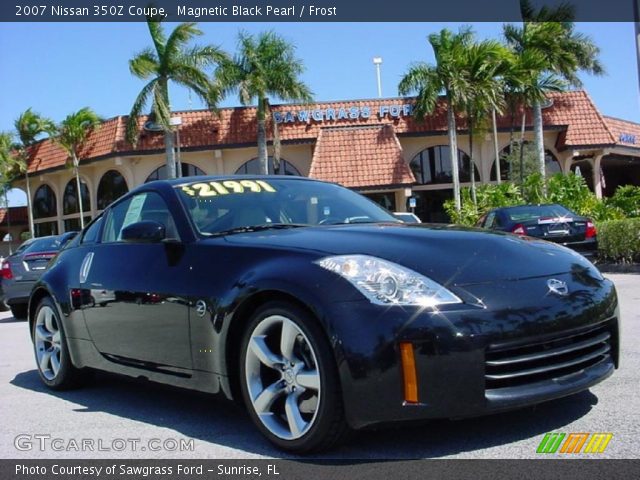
[483, 66]
[171, 60]
[430, 81]
[72, 135]
[526, 84]
[30, 126]
[264, 66]
[550, 33]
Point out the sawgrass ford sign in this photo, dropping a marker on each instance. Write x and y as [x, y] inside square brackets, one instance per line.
[353, 112]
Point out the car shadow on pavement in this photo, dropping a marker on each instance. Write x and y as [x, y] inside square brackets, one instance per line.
[12, 320]
[206, 418]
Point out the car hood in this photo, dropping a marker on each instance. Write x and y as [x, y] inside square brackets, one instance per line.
[449, 255]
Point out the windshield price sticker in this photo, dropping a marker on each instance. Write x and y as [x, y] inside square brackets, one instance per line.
[212, 189]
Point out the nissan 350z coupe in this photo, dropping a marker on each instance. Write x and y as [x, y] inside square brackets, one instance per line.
[318, 309]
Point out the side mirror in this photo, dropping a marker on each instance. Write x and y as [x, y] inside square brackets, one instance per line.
[147, 231]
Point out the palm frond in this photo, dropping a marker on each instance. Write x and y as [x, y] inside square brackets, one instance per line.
[136, 110]
[157, 36]
[74, 130]
[144, 64]
[178, 39]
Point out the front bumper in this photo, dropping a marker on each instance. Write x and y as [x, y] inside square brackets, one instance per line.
[454, 349]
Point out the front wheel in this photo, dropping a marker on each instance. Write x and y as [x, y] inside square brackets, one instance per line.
[51, 350]
[289, 380]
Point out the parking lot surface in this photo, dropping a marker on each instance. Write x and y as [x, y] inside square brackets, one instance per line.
[119, 418]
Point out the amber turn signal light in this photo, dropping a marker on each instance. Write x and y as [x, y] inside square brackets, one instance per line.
[409, 372]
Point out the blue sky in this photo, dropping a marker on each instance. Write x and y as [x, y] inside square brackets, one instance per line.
[57, 68]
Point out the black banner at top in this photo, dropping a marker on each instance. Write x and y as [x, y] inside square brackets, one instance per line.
[303, 10]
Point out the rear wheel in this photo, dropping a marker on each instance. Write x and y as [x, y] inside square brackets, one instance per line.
[51, 350]
[19, 311]
[289, 380]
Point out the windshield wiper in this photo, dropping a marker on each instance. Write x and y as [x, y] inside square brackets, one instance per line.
[258, 228]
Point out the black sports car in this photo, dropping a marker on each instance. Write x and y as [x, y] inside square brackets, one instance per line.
[318, 309]
[552, 222]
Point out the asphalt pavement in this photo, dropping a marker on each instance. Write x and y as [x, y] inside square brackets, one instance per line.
[119, 418]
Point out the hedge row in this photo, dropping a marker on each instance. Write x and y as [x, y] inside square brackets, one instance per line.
[619, 240]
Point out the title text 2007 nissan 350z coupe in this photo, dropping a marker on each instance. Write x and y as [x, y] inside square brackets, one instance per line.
[318, 309]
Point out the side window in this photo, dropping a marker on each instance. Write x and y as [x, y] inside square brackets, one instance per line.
[91, 234]
[489, 222]
[146, 206]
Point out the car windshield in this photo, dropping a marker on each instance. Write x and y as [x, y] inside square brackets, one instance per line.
[534, 212]
[48, 244]
[227, 206]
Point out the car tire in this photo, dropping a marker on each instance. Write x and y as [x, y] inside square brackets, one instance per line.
[19, 311]
[51, 350]
[3, 307]
[289, 381]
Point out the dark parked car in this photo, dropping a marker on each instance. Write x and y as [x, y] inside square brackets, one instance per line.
[318, 309]
[23, 268]
[554, 223]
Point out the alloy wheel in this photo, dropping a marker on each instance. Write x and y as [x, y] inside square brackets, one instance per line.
[282, 377]
[47, 342]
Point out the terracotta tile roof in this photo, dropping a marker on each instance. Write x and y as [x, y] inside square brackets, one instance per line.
[585, 125]
[572, 112]
[360, 157]
[13, 215]
[624, 132]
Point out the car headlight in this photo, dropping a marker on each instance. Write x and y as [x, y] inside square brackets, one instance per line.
[387, 283]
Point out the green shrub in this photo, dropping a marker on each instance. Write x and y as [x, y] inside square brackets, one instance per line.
[619, 240]
[627, 200]
[488, 196]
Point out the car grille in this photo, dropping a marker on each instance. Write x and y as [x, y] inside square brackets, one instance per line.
[512, 366]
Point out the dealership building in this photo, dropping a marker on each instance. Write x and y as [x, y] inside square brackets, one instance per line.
[373, 146]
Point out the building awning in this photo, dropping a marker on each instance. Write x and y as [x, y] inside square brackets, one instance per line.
[362, 156]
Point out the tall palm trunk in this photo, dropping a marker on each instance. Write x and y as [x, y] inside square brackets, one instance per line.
[539, 141]
[522, 128]
[471, 162]
[453, 152]
[263, 160]
[80, 206]
[277, 145]
[512, 129]
[29, 206]
[496, 148]
[6, 205]
[169, 135]
[169, 146]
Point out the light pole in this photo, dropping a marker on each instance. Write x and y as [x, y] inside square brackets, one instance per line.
[377, 61]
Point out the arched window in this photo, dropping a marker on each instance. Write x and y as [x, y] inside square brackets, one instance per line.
[111, 187]
[252, 167]
[70, 198]
[529, 162]
[433, 165]
[44, 203]
[188, 170]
